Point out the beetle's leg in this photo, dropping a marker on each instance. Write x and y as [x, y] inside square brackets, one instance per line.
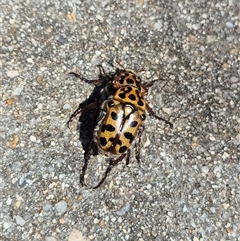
[75, 113]
[146, 86]
[138, 143]
[140, 70]
[101, 70]
[150, 83]
[119, 63]
[95, 82]
[79, 110]
[86, 159]
[128, 157]
[112, 163]
[151, 112]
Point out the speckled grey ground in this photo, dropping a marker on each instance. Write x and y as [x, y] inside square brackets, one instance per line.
[187, 187]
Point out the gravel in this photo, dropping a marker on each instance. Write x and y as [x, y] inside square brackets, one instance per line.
[187, 184]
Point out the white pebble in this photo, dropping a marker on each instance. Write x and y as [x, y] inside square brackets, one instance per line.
[61, 207]
[33, 138]
[17, 91]
[12, 73]
[67, 107]
[39, 106]
[167, 110]
[225, 155]
[9, 201]
[238, 137]
[212, 138]
[229, 24]
[158, 25]
[20, 221]
[50, 239]
[123, 210]
[205, 169]
[149, 186]
[29, 60]
[217, 169]
[234, 79]
[96, 220]
[7, 225]
[147, 143]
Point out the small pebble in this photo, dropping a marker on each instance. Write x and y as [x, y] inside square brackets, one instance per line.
[225, 155]
[33, 138]
[229, 24]
[17, 91]
[7, 225]
[167, 110]
[19, 220]
[12, 73]
[61, 207]
[123, 210]
[29, 60]
[205, 169]
[47, 207]
[51, 239]
[67, 107]
[158, 25]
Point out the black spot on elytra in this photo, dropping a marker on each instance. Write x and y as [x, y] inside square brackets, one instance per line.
[133, 75]
[122, 149]
[110, 103]
[140, 102]
[114, 115]
[111, 139]
[132, 97]
[119, 142]
[103, 141]
[129, 136]
[107, 128]
[121, 81]
[125, 91]
[133, 123]
[122, 95]
[130, 81]
[129, 89]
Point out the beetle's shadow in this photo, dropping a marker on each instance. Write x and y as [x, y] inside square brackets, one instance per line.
[91, 113]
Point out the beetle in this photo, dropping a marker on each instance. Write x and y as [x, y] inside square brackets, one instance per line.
[121, 109]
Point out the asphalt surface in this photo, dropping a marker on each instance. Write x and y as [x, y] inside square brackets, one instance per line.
[187, 184]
